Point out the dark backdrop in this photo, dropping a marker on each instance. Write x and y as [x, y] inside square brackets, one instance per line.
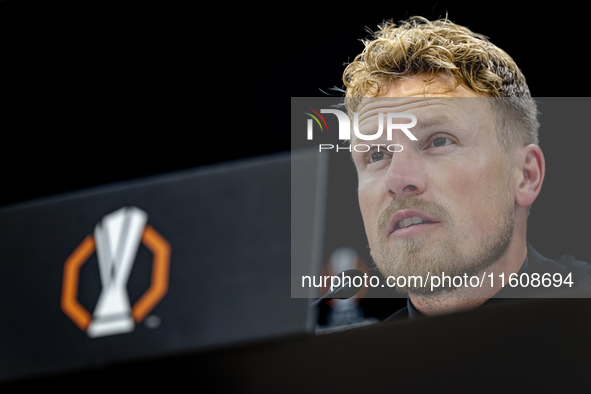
[94, 92]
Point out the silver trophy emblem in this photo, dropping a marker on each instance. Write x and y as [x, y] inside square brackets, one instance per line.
[117, 239]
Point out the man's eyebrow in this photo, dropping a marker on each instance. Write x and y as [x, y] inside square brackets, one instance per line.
[434, 121]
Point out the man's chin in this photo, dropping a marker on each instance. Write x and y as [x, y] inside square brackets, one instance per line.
[414, 256]
[417, 261]
[421, 261]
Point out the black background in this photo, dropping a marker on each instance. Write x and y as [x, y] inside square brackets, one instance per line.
[94, 93]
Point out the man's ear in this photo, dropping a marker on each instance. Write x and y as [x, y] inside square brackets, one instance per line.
[533, 168]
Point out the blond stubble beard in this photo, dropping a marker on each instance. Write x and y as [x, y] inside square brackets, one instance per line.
[417, 256]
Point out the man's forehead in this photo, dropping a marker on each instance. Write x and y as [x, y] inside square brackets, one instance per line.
[423, 90]
[429, 111]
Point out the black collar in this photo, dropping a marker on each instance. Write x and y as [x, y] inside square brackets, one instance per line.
[534, 263]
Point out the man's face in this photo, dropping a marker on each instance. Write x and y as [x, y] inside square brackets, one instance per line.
[452, 185]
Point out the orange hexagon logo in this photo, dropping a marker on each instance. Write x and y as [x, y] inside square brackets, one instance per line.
[116, 247]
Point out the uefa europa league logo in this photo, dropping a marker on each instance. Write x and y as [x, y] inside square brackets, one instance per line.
[116, 240]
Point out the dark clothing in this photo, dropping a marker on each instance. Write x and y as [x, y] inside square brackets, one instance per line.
[534, 263]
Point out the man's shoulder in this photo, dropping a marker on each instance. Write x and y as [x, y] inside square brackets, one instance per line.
[565, 265]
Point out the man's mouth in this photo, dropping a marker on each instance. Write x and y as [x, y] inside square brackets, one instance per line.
[402, 222]
[411, 222]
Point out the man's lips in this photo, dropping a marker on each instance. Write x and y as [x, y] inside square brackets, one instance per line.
[407, 222]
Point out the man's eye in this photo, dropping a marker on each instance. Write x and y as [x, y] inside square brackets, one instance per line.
[442, 141]
[376, 156]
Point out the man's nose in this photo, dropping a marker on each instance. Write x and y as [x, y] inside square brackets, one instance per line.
[405, 176]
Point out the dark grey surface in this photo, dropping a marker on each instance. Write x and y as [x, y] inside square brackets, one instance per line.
[309, 172]
[229, 231]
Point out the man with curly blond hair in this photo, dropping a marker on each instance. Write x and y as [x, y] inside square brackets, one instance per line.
[454, 203]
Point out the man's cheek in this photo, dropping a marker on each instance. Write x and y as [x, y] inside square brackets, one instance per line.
[369, 209]
[363, 196]
[365, 214]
